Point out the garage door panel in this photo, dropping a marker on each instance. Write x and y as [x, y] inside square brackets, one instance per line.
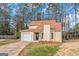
[26, 36]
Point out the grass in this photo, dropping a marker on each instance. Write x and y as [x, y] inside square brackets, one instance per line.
[40, 49]
[43, 51]
[8, 41]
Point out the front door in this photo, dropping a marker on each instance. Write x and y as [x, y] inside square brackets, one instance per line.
[37, 36]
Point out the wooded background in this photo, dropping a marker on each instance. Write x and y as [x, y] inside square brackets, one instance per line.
[16, 17]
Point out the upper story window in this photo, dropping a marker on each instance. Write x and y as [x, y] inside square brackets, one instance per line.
[32, 27]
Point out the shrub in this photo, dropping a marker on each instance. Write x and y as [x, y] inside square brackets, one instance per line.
[18, 35]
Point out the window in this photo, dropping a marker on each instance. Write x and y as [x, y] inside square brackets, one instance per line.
[51, 35]
[42, 36]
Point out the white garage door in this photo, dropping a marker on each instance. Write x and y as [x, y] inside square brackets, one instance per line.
[26, 36]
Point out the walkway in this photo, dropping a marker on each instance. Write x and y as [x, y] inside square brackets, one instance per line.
[69, 49]
[14, 48]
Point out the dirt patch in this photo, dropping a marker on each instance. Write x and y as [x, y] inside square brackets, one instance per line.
[69, 49]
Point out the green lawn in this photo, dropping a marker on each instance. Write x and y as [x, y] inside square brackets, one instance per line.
[8, 41]
[40, 49]
[43, 51]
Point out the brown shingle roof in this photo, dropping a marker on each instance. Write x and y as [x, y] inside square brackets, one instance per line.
[55, 26]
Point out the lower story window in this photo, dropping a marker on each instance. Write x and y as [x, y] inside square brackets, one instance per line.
[51, 35]
[42, 36]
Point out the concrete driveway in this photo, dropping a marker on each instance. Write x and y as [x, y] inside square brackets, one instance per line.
[69, 48]
[13, 49]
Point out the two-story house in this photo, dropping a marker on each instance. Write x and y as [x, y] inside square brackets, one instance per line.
[43, 30]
